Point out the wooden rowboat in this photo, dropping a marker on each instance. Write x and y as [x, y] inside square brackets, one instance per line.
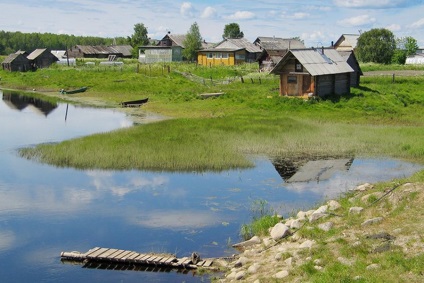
[134, 103]
[82, 89]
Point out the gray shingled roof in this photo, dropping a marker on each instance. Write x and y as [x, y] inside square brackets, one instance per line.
[277, 43]
[315, 62]
[239, 43]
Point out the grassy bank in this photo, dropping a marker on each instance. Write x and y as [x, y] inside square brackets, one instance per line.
[380, 118]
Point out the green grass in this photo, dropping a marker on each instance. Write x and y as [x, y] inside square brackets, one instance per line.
[379, 119]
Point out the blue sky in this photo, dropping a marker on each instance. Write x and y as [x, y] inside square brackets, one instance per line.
[316, 22]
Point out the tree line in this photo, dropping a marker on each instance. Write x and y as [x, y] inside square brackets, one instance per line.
[10, 42]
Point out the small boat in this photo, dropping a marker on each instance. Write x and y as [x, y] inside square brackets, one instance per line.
[82, 89]
[134, 103]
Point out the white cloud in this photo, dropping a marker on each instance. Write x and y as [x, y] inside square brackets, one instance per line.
[317, 38]
[394, 27]
[418, 24]
[187, 10]
[300, 16]
[379, 4]
[241, 15]
[362, 20]
[209, 13]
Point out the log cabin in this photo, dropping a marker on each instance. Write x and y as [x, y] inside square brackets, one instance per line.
[313, 72]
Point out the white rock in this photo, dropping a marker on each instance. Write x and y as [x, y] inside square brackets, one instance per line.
[306, 244]
[364, 187]
[333, 205]
[322, 209]
[373, 266]
[268, 241]
[240, 275]
[309, 212]
[242, 261]
[301, 215]
[289, 261]
[257, 281]
[377, 195]
[278, 256]
[372, 221]
[344, 261]
[281, 274]
[253, 268]
[289, 222]
[279, 231]
[326, 226]
[319, 268]
[253, 241]
[315, 216]
[296, 224]
[232, 275]
[355, 210]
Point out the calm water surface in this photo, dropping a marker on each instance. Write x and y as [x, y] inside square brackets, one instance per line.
[45, 210]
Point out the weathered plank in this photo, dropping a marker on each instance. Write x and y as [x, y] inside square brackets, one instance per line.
[123, 255]
[207, 263]
[97, 252]
[107, 253]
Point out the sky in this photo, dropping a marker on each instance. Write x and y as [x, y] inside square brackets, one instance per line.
[317, 22]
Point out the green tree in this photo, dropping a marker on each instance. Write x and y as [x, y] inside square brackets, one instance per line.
[376, 45]
[232, 31]
[138, 38]
[408, 43]
[192, 42]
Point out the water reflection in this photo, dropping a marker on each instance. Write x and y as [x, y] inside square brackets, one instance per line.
[45, 210]
[18, 101]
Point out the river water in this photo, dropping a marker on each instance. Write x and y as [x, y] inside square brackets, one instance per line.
[45, 210]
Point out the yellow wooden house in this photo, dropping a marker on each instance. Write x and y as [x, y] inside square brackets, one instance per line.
[229, 52]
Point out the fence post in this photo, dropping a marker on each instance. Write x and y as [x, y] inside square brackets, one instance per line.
[242, 80]
[393, 79]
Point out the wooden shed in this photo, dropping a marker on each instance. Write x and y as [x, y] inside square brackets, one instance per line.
[41, 58]
[350, 58]
[273, 49]
[313, 72]
[16, 62]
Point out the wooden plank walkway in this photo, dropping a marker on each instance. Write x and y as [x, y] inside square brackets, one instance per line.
[107, 258]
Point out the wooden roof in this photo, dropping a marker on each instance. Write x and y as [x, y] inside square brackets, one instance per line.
[278, 43]
[347, 41]
[9, 59]
[316, 61]
[238, 43]
[37, 52]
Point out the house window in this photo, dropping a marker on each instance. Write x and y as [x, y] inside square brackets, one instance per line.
[240, 57]
[291, 79]
[224, 55]
[298, 67]
[210, 55]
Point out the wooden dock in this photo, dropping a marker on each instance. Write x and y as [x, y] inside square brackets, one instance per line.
[106, 258]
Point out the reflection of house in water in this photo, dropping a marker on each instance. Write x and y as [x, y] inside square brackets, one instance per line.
[19, 102]
[313, 170]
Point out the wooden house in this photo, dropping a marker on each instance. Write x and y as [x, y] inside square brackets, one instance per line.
[230, 51]
[41, 58]
[346, 42]
[99, 51]
[313, 72]
[168, 49]
[16, 62]
[273, 49]
[350, 58]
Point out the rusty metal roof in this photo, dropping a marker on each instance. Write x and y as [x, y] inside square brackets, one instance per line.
[316, 61]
